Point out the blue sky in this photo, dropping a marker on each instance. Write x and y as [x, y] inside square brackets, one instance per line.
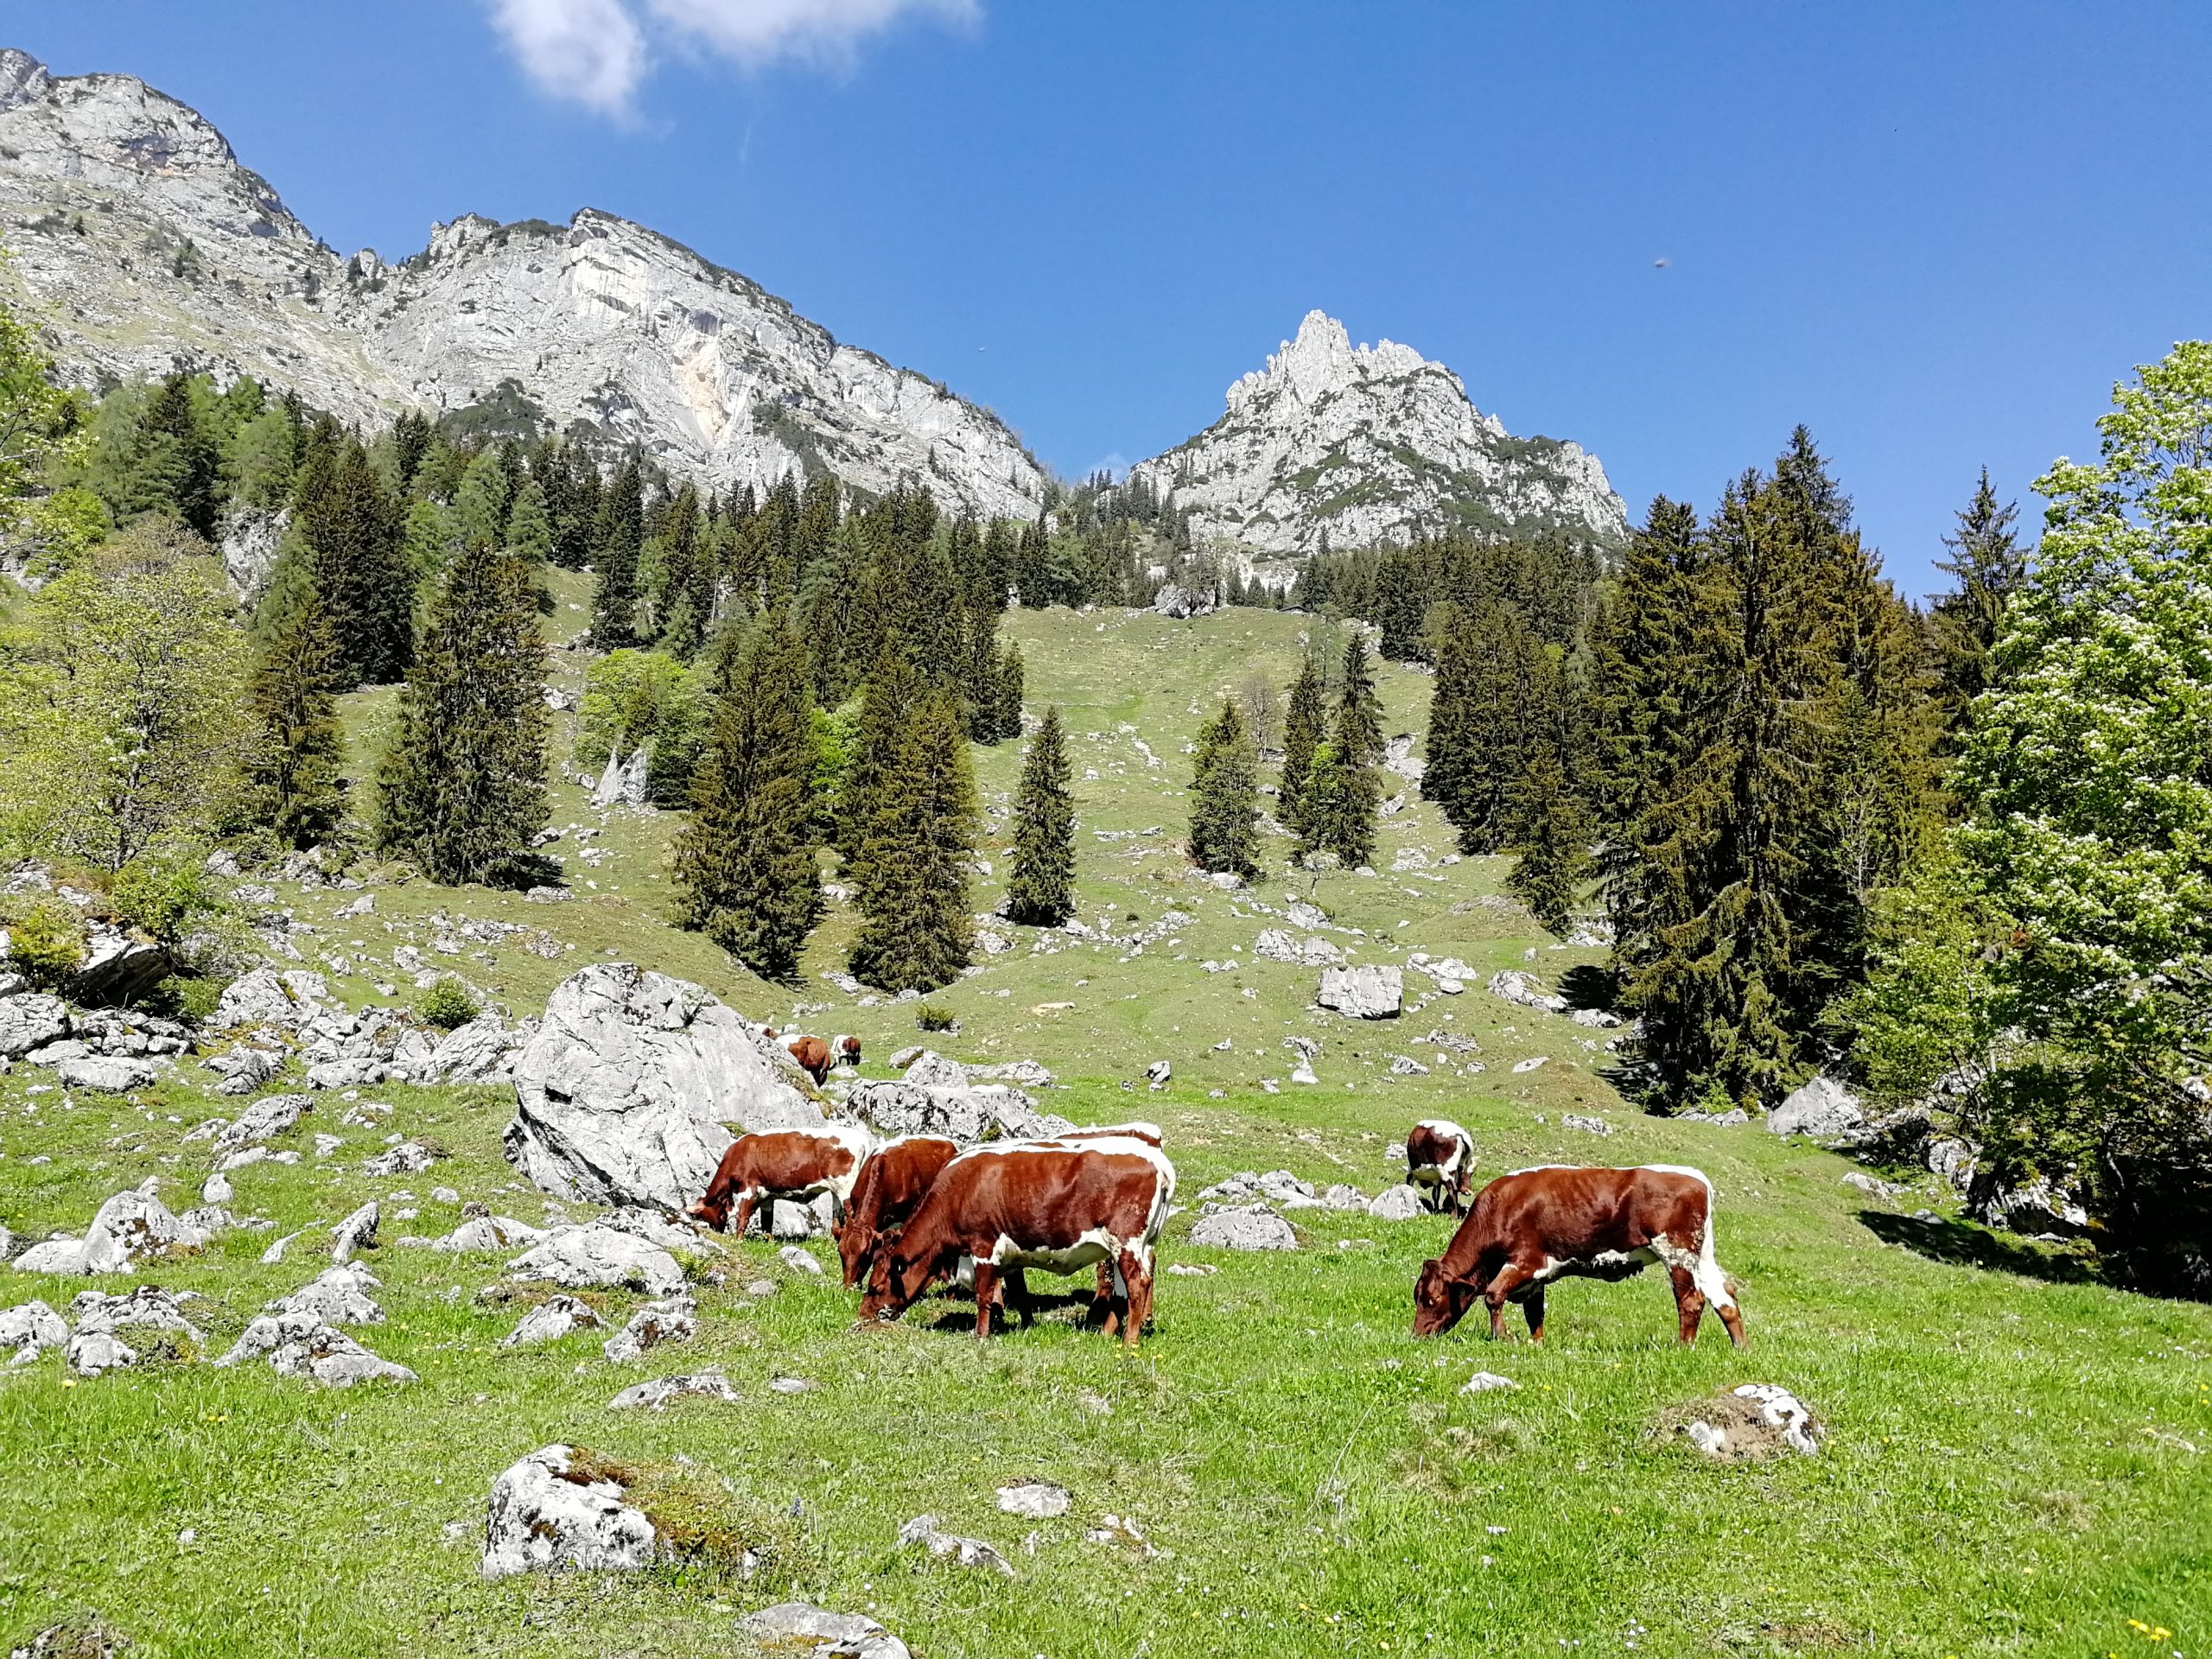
[1936, 234]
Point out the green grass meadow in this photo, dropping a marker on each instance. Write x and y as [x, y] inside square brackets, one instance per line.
[2019, 1462]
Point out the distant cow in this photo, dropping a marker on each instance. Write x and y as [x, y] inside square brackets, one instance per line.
[1059, 1206]
[1441, 1157]
[1535, 1225]
[795, 1164]
[892, 1180]
[818, 1056]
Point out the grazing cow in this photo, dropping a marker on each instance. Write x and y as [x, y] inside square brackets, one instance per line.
[1535, 1225]
[1057, 1206]
[811, 1054]
[892, 1182]
[795, 1164]
[1441, 1157]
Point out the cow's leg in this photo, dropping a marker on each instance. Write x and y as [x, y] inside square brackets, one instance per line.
[1732, 1318]
[1017, 1295]
[1689, 1303]
[1532, 1308]
[1510, 1278]
[987, 1284]
[746, 1201]
[1136, 1275]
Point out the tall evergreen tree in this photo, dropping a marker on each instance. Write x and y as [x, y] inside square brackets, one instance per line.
[1554, 854]
[620, 537]
[173, 465]
[462, 789]
[886, 702]
[1990, 566]
[1225, 798]
[745, 861]
[1305, 724]
[359, 560]
[911, 872]
[292, 783]
[1006, 683]
[1040, 889]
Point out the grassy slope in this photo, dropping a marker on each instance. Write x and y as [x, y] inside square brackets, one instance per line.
[2014, 1470]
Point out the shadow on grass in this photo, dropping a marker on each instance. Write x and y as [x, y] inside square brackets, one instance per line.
[1944, 1239]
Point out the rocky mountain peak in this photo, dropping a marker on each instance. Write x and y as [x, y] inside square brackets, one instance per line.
[23, 78]
[1368, 444]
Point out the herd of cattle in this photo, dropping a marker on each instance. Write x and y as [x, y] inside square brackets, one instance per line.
[918, 1211]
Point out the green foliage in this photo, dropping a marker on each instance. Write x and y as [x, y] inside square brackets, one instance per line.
[46, 944]
[462, 789]
[357, 555]
[1305, 724]
[745, 862]
[41, 424]
[191, 997]
[1225, 798]
[1553, 836]
[167, 892]
[118, 697]
[910, 869]
[1344, 787]
[619, 541]
[1040, 887]
[632, 698]
[446, 1004]
[2092, 820]
[1922, 1015]
[294, 785]
[1498, 705]
[928, 1016]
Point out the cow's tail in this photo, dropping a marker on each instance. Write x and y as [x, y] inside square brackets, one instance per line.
[1719, 1289]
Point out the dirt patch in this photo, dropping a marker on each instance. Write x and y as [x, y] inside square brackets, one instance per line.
[1757, 1421]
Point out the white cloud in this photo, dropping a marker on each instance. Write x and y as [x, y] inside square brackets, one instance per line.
[597, 53]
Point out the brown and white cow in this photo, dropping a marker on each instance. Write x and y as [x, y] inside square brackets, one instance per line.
[795, 1164]
[1535, 1225]
[1441, 1157]
[1057, 1206]
[893, 1179]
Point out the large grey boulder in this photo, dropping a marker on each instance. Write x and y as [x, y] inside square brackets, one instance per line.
[548, 1516]
[243, 1068]
[1525, 990]
[287, 1002]
[1823, 1107]
[1255, 1228]
[585, 1258]
[1182, 603]
[1399, 1203]
[629, 1090]
[129, 1227]
[483, 1051]
[550, 1321]
[103, 1074]
[661, 1392]
[338, 1296]
[1368, 992]
[968, 1115]
[303, 1344]
[29, 1020]
[119, 970]
[1303, 950]
[675, 1319]
[262, 1121]
[930, 1069]
[801, 1627]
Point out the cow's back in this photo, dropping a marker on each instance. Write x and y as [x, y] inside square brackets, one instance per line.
[1570, 1212]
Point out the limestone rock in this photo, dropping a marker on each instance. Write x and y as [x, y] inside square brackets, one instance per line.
[1487, 1382]
[921, 1533]
[336, 1296]
[288, 1002]
[545, 1516]
[301, 1344]
[1368, 992]
[1305, 951]
[798, 1627]
[1523, 989]
[1273, 475]
[357, 1232]
[930, 1069]
[1255, 1229]
[1586, 1124]
[1757, 1420]
[1399, 1203]
[800, 1260]
[483, 1051]
[28, 1021]
[262, 1121]
[659, 1394]
[672, 1320]
[105, 1075]
[129, 1227]
[550, 1321]
[627, 1090]
[597, 1256]
[243, 1068]
[1034, 1500]
[1182, 603]
[1823, 1107]
[119, 970]
[30, 1329]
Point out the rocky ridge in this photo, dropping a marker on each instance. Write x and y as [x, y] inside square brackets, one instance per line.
[1371, 444]
[142, 242]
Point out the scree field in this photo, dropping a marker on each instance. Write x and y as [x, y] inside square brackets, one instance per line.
[2017, 1462]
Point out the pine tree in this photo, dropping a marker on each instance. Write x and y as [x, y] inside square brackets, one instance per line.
[1360, 710]
[1040, 889]
[1305, 723]
[621, 538]
[359, 560]
[1989, 567]
[462, 789]
[1554, 857]
[175, 466]
[1343, 789]
[292, 783]
[745, 862]
[886, 702]
[911, 872]
[1225, 796]
[480, 509]
[1005, 694]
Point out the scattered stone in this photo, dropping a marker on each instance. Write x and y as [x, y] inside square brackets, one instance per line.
[798, 1627]
[1303, 1072]
[1512, 985]
[28, 1021]
[30, 1329]
[921, 1533]
[483, 1233]
[1823, 1107]
[1255, 1229]
[1399, 1203]
[408, 1158]
[1487, 1382]
[598, 1256]
[550, 1321]
[216, 1189]
[1121, 1532]
[262, 1121]
[662, 1392]
[791, 1385]
[1404, 1065]
[1192, 1269]
[1158, 1073]
[802, 1261]
[1586, 1124]
[675, 1320]
[928, 1069]
[1034, 1500]
[1870, 1186]
[301, 1344]
[626, 1091]
[275, 1253]
[1533, 1063]
[1368, 992]
[129, 1227]
[288, 1002]
[106, 1075]
[91, 1352]
[336, 1296]
[547, 1516]
[1308, 951]
[357, 1232]
[1758, 1419]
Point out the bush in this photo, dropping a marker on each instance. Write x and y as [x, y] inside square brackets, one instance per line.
[193, 998]
[167, 893]
[47, 943]
[930, 1017]
[446, 1005]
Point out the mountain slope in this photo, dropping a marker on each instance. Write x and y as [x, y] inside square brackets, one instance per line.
[142, 242]
[1368, 444]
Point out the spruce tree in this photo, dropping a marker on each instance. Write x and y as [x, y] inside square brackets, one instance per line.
[1305, 724]
[292, 783]
[1040, 889]
[359, 563]
[886, 702]
[1225, 798]
[479, 508]
[173, 466]
[621, 538]
[911, 872]
[462, 789]
[1005, 694]
[1554, 854]
[745, 861]
[1990, 566]
[1344, 789]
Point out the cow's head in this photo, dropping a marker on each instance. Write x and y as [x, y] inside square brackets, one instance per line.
[895, 1286]
[716, 1216]
[1439, 1300]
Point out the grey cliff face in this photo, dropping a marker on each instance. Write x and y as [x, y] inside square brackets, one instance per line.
[1367, 444]
[142, 244]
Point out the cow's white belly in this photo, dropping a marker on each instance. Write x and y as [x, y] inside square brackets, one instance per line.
[1604, 1264]
[1088, 1250]
[1427, 1175]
